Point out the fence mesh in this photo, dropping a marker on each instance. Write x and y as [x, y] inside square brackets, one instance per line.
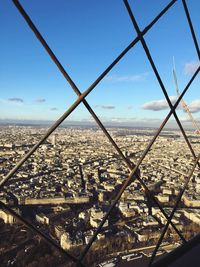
[81, 98]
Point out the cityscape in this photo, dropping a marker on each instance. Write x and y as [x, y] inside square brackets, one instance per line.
[66, 187]
[99, 133]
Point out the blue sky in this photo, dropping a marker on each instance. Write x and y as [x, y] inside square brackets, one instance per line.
[87, 36]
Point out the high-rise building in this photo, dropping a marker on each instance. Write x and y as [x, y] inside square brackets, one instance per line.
[54, 139]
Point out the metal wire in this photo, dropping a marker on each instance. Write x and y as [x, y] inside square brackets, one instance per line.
[134, 174]
[37, 231]
[170, 258]
[157, 74]
[136, 168]
[173, 211]
[83, 95]
[75, 88]
[70, 109]
[191, 27]
[145, 47]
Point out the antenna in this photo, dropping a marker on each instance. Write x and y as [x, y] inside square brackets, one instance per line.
[184, 105]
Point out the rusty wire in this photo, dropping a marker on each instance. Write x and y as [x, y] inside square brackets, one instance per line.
[77, 91]
[173, 211]
[145, 47]
[134, 174]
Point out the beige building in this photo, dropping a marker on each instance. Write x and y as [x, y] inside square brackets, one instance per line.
[67, 243]
[7, 217]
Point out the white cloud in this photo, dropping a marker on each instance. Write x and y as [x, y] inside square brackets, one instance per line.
[122, 119]
[158, 105]
[40, 100]
[12, 101]
[16, 100]
[127, 78]
[194, 106]
[162, 104]
[105, 106]
[191, 67]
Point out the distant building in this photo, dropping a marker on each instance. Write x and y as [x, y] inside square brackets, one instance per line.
[59, 230]
[191, 201]
[67, 243]
[193, 215]
[7, 217]
[54, 139]
[96, 217]
[42, 218]
[147, 234]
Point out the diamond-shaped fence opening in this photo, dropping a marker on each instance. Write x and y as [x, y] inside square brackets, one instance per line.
[134, 173]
